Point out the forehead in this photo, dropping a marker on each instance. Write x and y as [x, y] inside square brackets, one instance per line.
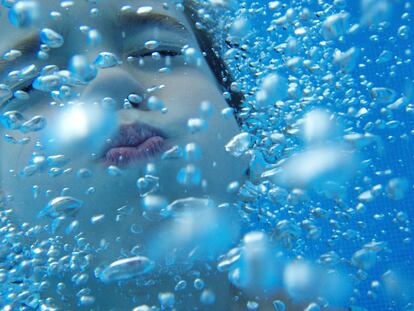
[80, 14]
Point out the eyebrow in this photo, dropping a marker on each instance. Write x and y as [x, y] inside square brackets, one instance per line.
[129, 19]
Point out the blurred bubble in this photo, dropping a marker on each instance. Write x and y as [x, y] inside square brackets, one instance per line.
[24, 14]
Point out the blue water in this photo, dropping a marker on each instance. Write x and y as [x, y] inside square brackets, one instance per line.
[378, 222]
[357, 194]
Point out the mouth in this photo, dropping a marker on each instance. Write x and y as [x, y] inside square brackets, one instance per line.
[133, 143]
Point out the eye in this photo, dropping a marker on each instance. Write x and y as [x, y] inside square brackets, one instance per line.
[23, 92]
[27, 89]
[20, 92]
[157, 53]
[163, 53]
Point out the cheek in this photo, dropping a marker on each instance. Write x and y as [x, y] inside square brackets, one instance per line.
[183, 95]
[184, 92]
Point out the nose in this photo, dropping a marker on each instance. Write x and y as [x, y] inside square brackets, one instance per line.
[117, 84]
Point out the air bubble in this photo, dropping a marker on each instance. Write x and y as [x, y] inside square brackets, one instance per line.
[81, 69]
[24, 14]
[61, 206]
[144, 10]
[152, 44]
[195, 125]
[189, 175]
[383, 95]
[147, 185]
[239, 144]
[51, 38]
[167, 300]
[207, 297]
[127, 268]
[107, 60]
[35, 124]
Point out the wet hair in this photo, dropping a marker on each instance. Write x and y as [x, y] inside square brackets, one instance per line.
[214, 60]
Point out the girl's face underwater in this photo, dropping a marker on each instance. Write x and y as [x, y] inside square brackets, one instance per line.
[100, 139]
[118, 94]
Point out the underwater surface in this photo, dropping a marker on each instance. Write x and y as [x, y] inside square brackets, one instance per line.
[206, 155]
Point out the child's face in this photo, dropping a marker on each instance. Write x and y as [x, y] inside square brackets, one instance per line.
[93, 137]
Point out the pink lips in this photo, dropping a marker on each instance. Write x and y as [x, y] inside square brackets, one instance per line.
[134, 142]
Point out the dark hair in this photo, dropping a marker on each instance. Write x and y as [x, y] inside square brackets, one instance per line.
[215, 62]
